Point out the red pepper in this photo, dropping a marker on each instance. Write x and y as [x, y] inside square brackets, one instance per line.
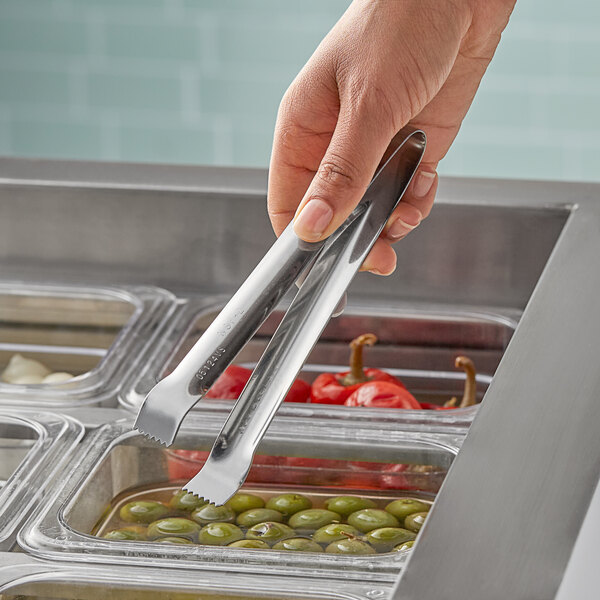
[299, 392]
[382, 394]
[233, 380]
[335, 388]
[230, 384]
[470, 392]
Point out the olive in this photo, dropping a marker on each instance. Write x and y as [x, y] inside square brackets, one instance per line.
[270, 532]
[258, 515]
[173, 527]
[372, 518]
[220, 534]
[252, 544]
[174, 540]
[385, 538]
[406, 546]
[143, 511]
[313, 519]
[349, 547]
[415, 521]
[334, 532]
[298, 545]
[289, 504]
[209, 513]
[345, 505]
[183, 500]
[242, 502]
[403, 507]
[134, 532]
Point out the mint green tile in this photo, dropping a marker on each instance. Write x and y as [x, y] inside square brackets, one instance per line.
[33, 86]
[42, 36]
[254, 44]
[519, 161]
[167, 145]
[152, 41]
[590, 164]
[249, 95]
[496, 108]
[134, 91]
[269, 8]
[516, 56]
[55, 139]
[583, 59]
[579, 112]
[252, 146]
[28, 8]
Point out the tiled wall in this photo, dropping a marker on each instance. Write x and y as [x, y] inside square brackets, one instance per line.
[199, 81]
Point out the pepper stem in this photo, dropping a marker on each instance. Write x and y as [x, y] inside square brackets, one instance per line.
[470, 394]
[357, 373]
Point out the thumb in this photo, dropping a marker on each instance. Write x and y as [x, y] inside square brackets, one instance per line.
[356, 147]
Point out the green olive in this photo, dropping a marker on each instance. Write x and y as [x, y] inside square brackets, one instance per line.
[372, 518]
[220, 534]
[313, 519]
[143, 511]
[298, 545]
[349, 547]
[242, 502]
[258, 515]
[406, 546]
[270, 532]
[386, 538]
[174, 540]
[403, 507]
[183, 500]
[173, 527]
[415, 521]
[209, 513]
[334, 532]
[289, 504]
[252, 544]
[346, 505]
[134, 532]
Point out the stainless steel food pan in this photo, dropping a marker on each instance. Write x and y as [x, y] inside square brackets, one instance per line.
[33, 447]
[96, 334]
[113, 459]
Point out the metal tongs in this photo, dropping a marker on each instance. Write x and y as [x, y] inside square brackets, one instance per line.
[330, 266]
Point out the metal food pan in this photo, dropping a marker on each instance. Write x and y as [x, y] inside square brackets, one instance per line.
[114, 459]
[33, 446]
[25, 578]
[95, 334]
[417, 343]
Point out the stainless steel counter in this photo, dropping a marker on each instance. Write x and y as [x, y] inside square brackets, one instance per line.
[509, 513]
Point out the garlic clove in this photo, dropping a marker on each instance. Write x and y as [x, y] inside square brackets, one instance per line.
[19, 367]
[58, 377]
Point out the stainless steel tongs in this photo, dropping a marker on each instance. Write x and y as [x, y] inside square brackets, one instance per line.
[330, 265]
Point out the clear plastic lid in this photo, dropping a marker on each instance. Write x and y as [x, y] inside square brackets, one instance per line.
[24, 578]
[64, 346]
[417, 344]
[308, 457]
[33, 447]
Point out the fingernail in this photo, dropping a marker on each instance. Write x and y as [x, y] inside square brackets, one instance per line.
[399, 228]
[423, 183]
[313, 219]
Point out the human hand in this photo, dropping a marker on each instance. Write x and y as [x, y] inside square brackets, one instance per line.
[385, 63]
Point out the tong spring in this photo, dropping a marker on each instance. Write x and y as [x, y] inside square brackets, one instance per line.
[336, 262]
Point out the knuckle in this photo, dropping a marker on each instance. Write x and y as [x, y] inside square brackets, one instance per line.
[337, 171]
